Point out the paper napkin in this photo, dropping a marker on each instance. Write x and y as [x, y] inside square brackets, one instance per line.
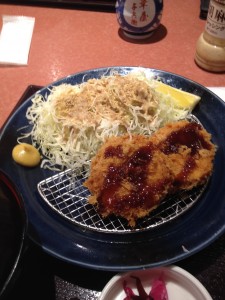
[219, 91]
[15, 39]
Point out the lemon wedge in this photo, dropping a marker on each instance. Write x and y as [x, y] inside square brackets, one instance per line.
[181, 98]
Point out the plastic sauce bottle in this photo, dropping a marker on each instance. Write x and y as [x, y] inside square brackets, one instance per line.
[210, 48]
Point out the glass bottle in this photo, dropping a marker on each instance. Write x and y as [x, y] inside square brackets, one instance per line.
[210, 48]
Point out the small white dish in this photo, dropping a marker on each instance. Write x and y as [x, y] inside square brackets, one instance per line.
[179, 284]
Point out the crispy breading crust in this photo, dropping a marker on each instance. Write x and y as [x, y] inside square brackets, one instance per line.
[130, 175]
[200, 163]
[128, 200]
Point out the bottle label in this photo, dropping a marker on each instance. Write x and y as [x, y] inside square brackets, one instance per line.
[215, 24]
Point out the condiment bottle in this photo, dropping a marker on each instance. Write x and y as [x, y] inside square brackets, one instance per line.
[138, 19]
[210, 48]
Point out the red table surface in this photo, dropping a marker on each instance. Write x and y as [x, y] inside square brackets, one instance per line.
[69, 40]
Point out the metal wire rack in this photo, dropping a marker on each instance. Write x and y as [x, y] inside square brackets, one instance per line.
[66, 195]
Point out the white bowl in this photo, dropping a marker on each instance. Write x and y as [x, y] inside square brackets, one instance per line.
[179, 284]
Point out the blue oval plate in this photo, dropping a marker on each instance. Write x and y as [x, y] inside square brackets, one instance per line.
[184, 236]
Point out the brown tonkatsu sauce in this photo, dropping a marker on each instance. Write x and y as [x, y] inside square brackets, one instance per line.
[114, 152]
[134, 170]
[187, 136]
[190, 137]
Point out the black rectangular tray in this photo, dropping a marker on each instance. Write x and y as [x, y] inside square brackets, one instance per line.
[45, 277]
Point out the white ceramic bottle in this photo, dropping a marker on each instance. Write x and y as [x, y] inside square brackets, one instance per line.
[138, 19]
[210, 48]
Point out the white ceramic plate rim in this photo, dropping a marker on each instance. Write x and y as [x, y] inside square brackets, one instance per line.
[180, 284]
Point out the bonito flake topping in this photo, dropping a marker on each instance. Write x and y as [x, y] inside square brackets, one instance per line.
[70, 124]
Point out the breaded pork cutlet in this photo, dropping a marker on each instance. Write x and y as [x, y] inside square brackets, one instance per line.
[128, 178]
[130, 175]
[189, 153]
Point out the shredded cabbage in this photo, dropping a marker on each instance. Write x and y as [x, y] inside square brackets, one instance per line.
[70, 124]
